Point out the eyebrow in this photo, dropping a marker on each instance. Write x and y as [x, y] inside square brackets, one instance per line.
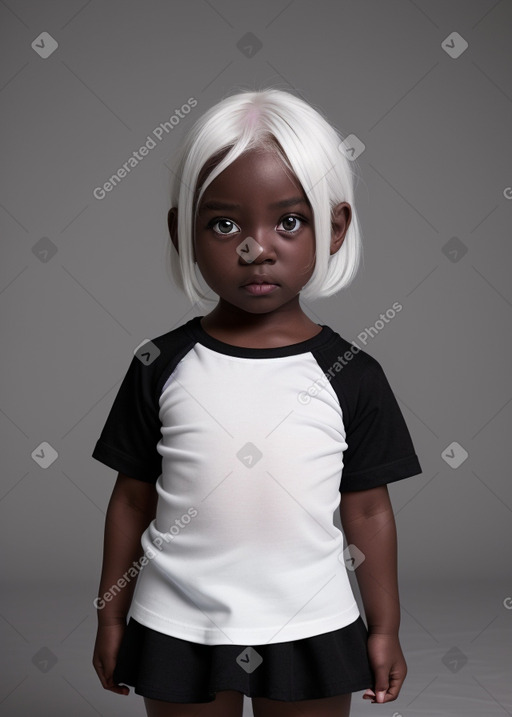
[215, 205]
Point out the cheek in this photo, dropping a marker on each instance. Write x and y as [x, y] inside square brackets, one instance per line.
[300, 253]
[215, 258]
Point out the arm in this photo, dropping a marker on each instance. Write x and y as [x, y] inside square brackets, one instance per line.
[130, 510]
[368, 523]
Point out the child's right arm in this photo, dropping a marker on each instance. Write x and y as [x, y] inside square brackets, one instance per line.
[130, 510]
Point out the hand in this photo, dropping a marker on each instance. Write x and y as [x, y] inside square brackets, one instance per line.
[388, 665]
[106, 647]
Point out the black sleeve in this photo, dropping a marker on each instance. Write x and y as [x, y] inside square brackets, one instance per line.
[128, 441]
[380, 448]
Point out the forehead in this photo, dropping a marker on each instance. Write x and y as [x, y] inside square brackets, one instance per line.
[259, 172]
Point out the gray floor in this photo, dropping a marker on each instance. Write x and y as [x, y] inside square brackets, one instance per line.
[456, 638]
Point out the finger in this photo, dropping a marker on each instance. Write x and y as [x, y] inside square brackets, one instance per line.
[380, 696]
[395, 685]
[119, 689]
[381, 684]
[369, 695]
[114, 686]
[98, 666]
[107, 680]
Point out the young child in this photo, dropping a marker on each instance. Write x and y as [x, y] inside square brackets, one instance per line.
[238, 434]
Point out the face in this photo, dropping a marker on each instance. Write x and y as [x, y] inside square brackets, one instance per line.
[255, 209]
[271, 225]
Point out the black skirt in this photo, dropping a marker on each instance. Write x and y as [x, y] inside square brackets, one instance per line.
[168, 668]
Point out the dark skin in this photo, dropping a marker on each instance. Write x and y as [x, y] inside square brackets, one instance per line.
[274, 319]
[255, 181]
[286, 235]
[131, 508]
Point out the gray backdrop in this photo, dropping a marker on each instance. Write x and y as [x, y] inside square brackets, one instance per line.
[426, 88]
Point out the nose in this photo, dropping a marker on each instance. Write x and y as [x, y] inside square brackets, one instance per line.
[260, 246]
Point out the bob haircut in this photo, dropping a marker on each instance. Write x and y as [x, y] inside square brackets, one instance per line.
[309, 147]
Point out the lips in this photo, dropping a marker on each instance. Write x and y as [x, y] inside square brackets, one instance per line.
[260, 289]
[260, 280]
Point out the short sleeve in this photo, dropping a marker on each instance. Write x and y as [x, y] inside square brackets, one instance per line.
[129, 438]
[379, 446]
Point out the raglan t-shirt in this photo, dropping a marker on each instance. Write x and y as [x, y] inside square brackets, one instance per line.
[250, 451]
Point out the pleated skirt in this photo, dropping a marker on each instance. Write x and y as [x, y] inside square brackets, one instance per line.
[168, 668]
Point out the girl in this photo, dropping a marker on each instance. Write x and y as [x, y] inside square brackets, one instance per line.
[237, 435]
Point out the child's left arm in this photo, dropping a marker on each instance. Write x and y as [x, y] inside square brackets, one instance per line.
[368, 523]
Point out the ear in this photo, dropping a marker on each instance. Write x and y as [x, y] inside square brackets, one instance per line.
[340, 222]
[172, 223]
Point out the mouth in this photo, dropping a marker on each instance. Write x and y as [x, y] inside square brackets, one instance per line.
[258, 281]
[259, 288]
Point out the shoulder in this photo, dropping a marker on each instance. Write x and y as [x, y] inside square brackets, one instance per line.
[155, 358]
[172, 340]
[356, 377]
[347, 361]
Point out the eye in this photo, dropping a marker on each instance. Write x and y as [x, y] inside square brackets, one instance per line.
[292, 218]
[226, 227]
[224, 223]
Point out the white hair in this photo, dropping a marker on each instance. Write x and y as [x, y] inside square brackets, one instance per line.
[307, 144]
